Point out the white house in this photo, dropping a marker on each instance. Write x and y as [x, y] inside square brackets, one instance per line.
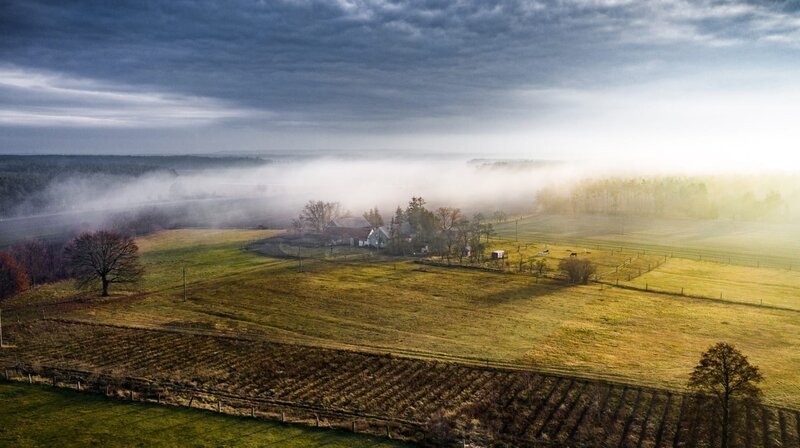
[379, 237]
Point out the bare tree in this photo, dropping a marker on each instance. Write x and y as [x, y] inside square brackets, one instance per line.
[725, 374]
[577, 270]
[104, 256]
[13, 278]
[319, 213]
[539, 267]
[297, 225]
[447, 218]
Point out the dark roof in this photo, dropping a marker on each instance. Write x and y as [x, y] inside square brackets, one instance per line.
[354, 222]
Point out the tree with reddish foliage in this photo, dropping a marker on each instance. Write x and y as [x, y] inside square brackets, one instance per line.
[34, 256]
[13, 278]
[105, 256]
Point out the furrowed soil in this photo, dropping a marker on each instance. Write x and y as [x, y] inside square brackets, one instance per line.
[509, 405]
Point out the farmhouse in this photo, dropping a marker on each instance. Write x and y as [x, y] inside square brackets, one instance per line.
[351, 231]
[379, 237]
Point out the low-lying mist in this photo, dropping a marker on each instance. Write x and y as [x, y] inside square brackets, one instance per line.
[271, 194]
[280, 189]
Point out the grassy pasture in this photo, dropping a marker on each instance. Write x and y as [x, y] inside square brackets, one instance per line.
[758, 286]
[400, 306]
[745, 243]
[37, 416]
[611, 264]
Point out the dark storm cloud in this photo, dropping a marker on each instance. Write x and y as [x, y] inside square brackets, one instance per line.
[361, 64]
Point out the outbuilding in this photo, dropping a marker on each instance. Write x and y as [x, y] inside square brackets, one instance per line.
[498, 254]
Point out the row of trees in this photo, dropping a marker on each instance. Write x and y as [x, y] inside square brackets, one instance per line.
[445, 231]
[100, 257]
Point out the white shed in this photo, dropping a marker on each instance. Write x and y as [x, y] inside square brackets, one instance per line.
[498, 254]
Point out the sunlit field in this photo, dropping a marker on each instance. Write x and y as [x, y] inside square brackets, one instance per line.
[386, 304]
[756, 286]
[740, 242]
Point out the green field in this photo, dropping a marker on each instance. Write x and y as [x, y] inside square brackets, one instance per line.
[38, 416]
[395, 305]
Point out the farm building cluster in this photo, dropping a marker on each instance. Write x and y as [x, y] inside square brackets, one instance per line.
[357, 231]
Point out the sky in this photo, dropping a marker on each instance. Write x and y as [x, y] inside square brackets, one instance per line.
[672, 81]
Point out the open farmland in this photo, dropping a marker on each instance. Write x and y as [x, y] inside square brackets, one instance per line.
[740, 242]
[44, 417]
[392, 305]
[612, 264]
[509, 405]
[757, 286]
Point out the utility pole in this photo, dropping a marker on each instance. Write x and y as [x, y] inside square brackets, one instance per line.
[1, 328]
[516, 230]
[184, 284]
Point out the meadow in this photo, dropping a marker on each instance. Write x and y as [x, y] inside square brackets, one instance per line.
[385, 304]
[45, 417]
[741, 242]
[757, 286]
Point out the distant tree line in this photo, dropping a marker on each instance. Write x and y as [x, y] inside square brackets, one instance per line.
[668, 197]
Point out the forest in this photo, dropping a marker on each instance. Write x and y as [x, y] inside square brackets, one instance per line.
[24, 179]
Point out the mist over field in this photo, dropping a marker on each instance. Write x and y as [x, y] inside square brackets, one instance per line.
[262, 191]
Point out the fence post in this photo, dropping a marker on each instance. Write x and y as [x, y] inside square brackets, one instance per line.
[283, 417]
[253, 411]
[191, 399]
[78, 385]
[54, 380]
[317, 417]
[354, 426]
[681, 291]
[30, 379]
[6, 371]
[219, 406]
[388, 434]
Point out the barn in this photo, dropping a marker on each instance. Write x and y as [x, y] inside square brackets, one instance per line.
[352, 231]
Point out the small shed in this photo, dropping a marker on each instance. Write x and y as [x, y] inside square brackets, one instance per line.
[498, 254]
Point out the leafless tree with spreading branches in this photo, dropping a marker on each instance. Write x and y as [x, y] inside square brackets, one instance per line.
[104, 256]
[317, 214]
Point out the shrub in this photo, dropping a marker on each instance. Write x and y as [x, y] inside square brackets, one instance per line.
[577, 270]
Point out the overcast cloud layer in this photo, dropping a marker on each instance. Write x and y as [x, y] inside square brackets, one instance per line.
[569, 78]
